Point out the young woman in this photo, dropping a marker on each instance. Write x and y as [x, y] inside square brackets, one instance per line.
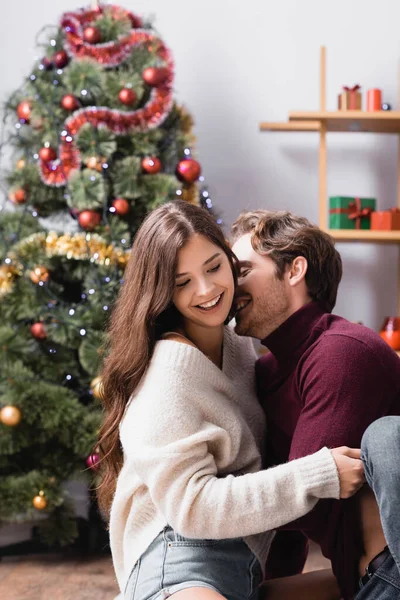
[181, 443]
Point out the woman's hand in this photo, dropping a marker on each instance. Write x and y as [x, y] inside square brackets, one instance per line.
[350, 470]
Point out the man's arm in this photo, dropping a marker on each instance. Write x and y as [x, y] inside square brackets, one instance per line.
[344, 387]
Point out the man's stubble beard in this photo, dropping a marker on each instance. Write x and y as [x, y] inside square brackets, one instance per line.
[268, 312]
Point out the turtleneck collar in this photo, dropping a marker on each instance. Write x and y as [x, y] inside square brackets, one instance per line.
[284, 341]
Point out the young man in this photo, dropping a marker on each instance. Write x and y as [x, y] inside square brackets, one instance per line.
[324, 381]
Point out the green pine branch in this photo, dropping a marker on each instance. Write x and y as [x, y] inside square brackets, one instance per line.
[111, 29]
[87, 190]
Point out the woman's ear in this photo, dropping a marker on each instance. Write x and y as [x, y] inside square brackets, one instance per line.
[297, 271]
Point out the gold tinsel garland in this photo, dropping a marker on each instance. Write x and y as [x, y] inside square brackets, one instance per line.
[7, 275]
[85, 246]
[78, 246]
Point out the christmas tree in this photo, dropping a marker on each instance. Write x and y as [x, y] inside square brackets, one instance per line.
[98, 142]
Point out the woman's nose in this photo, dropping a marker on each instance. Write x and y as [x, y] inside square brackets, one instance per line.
[204, 287]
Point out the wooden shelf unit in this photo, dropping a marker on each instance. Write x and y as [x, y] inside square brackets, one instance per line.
[323, 121]
[292, 126]
[365, 235]
[349, 121]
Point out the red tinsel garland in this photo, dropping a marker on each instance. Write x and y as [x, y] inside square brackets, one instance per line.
[111, 54]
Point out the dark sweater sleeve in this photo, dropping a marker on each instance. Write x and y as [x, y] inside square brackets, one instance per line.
[344, 385]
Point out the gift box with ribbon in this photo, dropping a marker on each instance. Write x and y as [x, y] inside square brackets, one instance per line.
[386, 220]
[347, 212]
[350, 98]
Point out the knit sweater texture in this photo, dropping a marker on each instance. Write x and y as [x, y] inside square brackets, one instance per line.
[323, 382]
[191, 439]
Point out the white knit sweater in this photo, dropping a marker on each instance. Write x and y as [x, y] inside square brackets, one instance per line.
[191, 438]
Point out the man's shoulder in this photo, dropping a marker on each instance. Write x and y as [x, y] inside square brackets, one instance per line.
[343, 342]
[337, 331]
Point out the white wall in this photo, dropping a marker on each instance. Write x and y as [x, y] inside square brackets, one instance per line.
[240, 63]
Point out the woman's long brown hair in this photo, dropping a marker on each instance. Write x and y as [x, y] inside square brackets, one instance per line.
[143, 312]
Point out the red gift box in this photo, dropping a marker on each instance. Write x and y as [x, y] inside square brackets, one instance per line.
[386, 220]
[350, 98]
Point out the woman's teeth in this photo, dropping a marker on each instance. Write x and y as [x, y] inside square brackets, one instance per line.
[211, 303]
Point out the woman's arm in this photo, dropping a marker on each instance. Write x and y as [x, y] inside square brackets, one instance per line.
[173, 449]
[183, 483]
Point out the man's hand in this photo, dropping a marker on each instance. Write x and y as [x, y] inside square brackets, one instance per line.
[350, 470]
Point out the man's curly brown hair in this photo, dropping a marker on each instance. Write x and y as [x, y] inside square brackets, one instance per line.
[282, 237]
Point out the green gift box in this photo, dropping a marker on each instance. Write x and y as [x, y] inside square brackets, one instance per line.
[347, 212]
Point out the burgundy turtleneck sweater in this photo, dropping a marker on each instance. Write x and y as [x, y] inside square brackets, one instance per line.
[323, 382]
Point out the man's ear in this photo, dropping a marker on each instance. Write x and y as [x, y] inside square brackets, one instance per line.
[297, 271]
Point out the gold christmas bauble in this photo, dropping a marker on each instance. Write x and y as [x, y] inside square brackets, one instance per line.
[21, 163]
[39, 501]
[10, 415]
[96, 387]
[94, 162]
[39, 274]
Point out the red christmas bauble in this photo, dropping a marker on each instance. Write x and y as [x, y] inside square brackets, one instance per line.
[68, 25]
[18, 196]
[38, 331]
[92, 461]
[127, 96]
[89, 219]
[47, 154]
[188, 170]
[155, 75]
[24, 110]
[91, 35]
[121, 206]
[69, 102]
[47, 63]
[61, 59]
[151, 165]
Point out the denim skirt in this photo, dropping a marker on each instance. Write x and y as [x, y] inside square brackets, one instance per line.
[172, 563]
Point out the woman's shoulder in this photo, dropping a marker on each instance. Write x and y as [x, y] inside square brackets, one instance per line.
[174, 336]
[177, 358]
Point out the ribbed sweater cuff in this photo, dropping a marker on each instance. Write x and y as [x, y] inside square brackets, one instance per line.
[320, 474]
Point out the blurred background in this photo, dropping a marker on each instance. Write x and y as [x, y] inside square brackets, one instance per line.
[240, 63]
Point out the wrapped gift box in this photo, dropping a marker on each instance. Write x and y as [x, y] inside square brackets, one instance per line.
[386, 220]
[348, 212]
[350, 98]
